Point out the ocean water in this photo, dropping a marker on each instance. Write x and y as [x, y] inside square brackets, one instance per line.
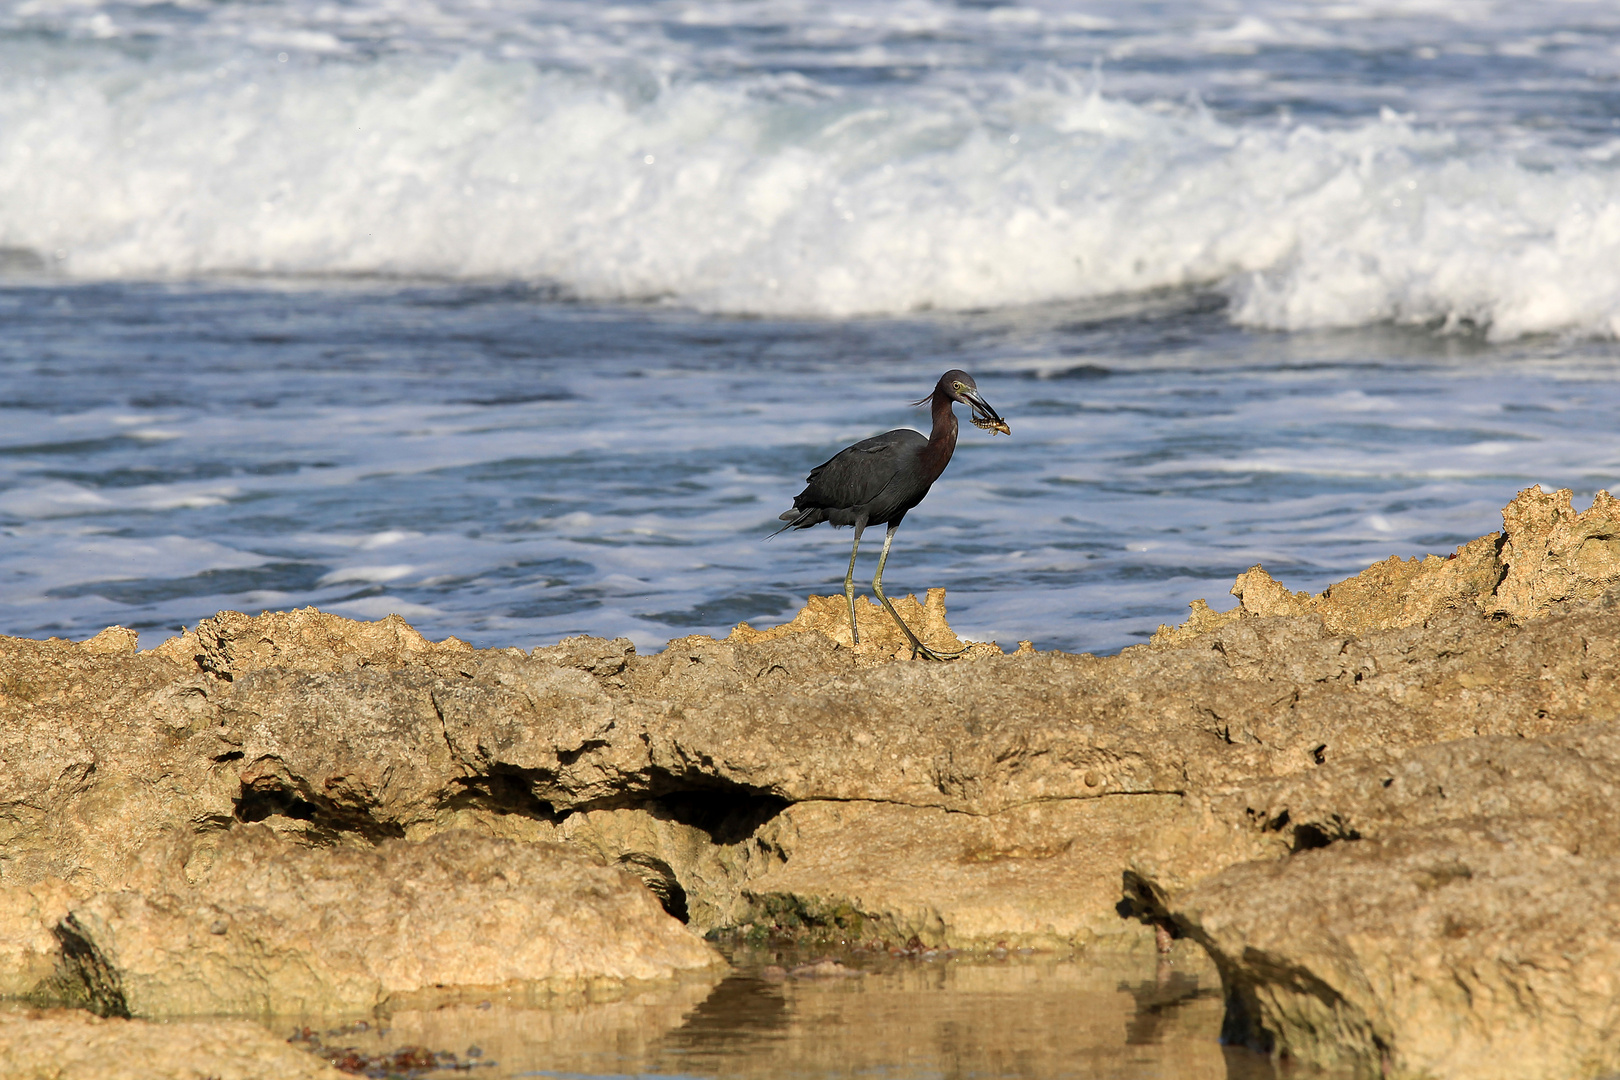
[527, 319]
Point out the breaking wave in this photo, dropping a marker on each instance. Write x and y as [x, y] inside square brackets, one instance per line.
[775, 194]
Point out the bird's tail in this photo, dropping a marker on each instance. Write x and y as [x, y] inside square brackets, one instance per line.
[799, 519]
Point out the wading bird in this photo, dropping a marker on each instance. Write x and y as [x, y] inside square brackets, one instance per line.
[877, 480]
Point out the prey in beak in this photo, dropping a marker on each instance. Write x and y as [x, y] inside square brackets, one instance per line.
[983, 415]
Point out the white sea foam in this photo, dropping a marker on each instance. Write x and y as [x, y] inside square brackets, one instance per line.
[367, 573]
[378, 607]
[777, 194]
[71, 559]
[758, 203]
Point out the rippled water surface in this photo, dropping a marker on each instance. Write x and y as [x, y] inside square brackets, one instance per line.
[1018, 1018]
[501, 466]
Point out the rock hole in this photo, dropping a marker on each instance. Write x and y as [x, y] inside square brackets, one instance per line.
[229, 755]
[659, 877]
[327, 820]
[502, 791]
[568, 757]
[257, 804]
[729, 815]
[1308, 837]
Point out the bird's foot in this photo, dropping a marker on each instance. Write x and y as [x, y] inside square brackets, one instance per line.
[919, 649]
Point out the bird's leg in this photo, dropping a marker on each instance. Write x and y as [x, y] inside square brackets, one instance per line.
[917, 647]
[849, 584]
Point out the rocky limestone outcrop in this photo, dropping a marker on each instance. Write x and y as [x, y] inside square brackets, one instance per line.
[784, 781]
[266, 929]
[1546, 558]
[881, 641]
[30, 950]
[1448, 910]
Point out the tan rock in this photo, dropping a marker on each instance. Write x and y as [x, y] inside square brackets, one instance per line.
[1547, 556]
[88, 771]
[881, 639]
[277, 930]
[693, 854]
[1443, 911]
[1378, 793]
[1203, 620]
[111, 754]
[231, 643]
[29, 948]
[1259, 594]
[113, 641]
[1045, 876]
[1554, 556]
[1476, 950]
[65, 1044]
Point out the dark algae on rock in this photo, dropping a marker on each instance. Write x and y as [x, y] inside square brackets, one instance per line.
[1385, 812]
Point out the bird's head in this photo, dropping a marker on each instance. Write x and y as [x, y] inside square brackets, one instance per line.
[958, 385]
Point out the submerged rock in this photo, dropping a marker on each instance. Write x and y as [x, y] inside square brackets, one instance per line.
[67, 1044]
[783, 781]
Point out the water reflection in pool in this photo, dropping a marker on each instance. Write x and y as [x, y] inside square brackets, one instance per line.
[1019, 1016]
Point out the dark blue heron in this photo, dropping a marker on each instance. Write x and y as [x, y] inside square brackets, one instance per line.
[877, 480]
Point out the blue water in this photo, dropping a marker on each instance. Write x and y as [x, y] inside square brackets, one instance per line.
[526, 320]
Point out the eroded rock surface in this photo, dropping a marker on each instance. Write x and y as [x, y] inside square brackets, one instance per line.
[1454, 914]
[269, 929]
[1546, 558]
[1042, 876]
[782, 779]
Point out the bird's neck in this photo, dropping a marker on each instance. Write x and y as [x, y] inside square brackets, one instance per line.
[942, 441]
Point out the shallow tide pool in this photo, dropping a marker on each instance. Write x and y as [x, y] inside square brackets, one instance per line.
[1019, 1017]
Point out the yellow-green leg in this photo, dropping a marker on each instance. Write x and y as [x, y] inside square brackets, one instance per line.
[849, 585]
[917, 647]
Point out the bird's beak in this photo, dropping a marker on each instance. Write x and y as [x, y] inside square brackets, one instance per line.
[983, 415]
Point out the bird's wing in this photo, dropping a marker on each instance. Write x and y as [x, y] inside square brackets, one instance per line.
[858, 474]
